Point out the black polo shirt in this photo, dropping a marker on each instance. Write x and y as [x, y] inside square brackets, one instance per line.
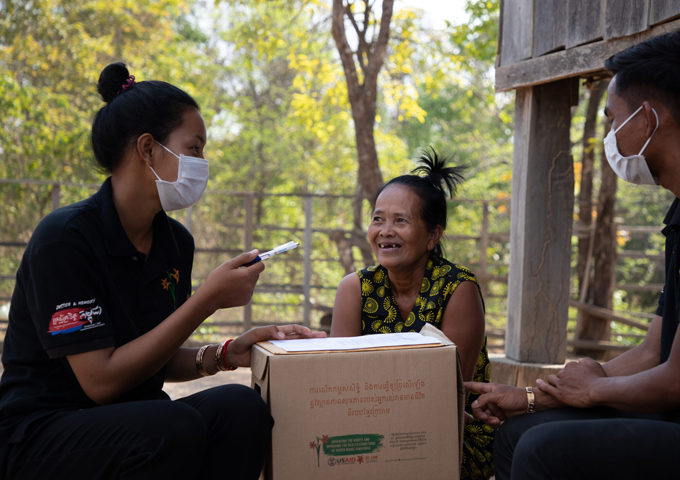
[83, 286]
[670, 295]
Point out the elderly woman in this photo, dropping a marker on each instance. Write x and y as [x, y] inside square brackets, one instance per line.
[413, 284]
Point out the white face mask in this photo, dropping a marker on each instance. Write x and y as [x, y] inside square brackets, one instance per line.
[192, 178]
[634, 168]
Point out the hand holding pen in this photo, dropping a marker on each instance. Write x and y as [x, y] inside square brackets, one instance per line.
[280, 249]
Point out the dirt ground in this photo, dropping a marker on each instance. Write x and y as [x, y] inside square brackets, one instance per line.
[179, 390]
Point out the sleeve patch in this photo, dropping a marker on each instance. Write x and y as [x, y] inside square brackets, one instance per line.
[75, 319]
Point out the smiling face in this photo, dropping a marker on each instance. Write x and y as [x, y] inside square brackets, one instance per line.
[397, 233]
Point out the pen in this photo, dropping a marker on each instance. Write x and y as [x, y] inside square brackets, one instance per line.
[280, 249]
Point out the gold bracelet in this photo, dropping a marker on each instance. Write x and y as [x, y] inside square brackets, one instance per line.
[199, 361]
[531, 400]
[218, 358]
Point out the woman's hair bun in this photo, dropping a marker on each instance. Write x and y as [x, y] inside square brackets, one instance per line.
[111, 80]
[442, 177]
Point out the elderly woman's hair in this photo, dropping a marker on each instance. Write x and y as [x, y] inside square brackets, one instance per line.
[432, 181]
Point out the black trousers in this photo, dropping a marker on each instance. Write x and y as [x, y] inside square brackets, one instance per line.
[220, 433]
[599, 443]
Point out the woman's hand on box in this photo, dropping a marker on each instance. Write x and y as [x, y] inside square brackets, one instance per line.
[238, 351]
[496, 402]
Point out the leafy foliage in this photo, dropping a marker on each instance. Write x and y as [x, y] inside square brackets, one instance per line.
[272, 90]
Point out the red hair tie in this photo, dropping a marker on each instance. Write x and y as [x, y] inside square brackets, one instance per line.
[128, 83]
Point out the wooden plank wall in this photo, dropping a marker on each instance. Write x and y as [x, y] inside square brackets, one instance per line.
[534, 28]
[516, 43]
[550, 30]
[547, 40]
[584, 21]
[625, 17]
[663, 10]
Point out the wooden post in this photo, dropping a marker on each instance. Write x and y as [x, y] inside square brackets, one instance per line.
[56, 194]
[540, 236]
[307, 247]
[483, 249]
[248, 202]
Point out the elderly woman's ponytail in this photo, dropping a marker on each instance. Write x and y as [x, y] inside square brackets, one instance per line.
[435, 170]
[432, 181]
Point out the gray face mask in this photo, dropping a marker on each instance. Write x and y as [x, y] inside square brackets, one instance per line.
[634, 168]
[192, 179]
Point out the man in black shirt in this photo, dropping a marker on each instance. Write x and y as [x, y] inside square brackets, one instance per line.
[620, 419]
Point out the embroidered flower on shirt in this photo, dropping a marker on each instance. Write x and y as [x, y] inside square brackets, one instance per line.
[168, 284]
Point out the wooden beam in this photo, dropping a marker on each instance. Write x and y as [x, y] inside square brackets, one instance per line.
[248, 207]
[581, 61]
[308, 262]
[636, 229]
[56, 195]
[484, 247]
[636, 254]
[634, 287]
[605, 314]
[595, 345]
[540, 237]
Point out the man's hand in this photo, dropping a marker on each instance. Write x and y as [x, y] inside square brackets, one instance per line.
[497, 402]
[238, 351]
[574, 383]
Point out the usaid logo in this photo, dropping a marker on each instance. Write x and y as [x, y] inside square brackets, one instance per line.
[343, 461]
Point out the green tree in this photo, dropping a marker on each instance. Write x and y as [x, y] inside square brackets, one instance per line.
[51, 53]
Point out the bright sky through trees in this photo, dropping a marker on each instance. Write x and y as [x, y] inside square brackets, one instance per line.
[437, 12]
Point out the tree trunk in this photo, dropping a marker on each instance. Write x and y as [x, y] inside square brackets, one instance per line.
[369, 56]
[369, 177]
[604, 259]
[585, 203]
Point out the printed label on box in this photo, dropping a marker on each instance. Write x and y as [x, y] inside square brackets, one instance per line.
[350, 448]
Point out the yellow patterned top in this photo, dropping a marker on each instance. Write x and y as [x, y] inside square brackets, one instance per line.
[379, 314]
[379, 309]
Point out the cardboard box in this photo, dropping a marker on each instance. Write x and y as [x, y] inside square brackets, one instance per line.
[392, 413]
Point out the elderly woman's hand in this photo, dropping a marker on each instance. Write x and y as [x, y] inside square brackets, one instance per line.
[238, 351]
